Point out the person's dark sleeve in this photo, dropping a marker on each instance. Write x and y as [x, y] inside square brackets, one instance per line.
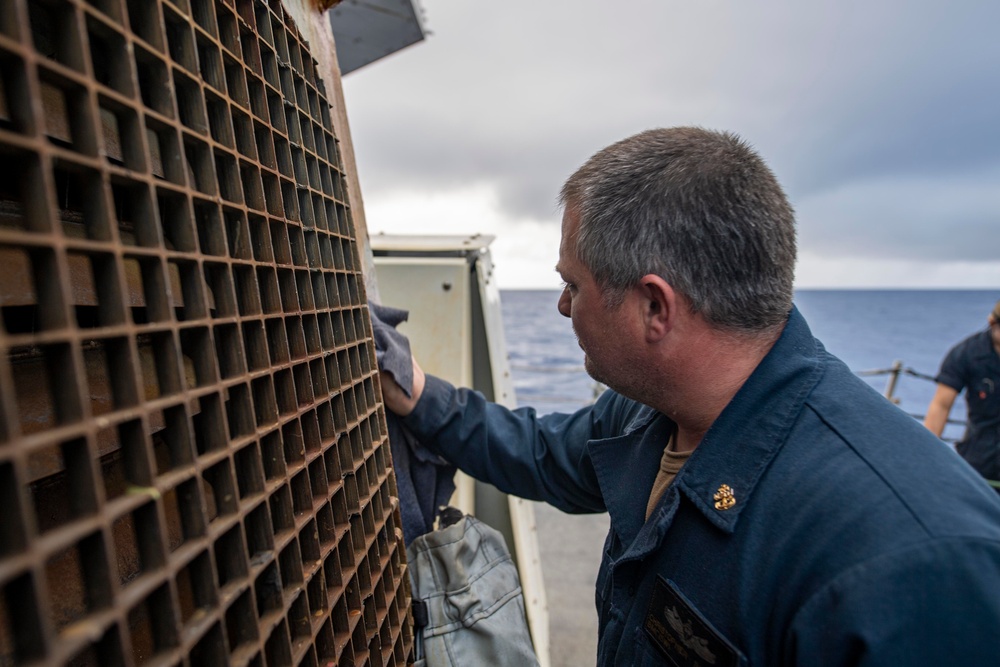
[538, 458]
[952, 372]
[927, 605]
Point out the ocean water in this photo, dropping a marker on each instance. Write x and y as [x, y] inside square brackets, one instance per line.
[867, 329]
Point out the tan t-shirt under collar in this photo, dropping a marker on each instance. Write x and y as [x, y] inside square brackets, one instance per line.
[670, 465]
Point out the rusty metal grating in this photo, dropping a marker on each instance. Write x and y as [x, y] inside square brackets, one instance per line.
[193, 467]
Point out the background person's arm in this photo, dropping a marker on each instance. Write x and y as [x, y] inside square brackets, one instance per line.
[939, 409]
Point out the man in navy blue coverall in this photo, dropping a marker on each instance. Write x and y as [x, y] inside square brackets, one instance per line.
[767, 507]
[973, 365]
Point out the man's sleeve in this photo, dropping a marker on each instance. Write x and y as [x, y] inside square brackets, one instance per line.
[539, 458]
[952, 372]
[929, 604]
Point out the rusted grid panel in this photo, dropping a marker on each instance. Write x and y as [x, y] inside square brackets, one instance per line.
[192, 456]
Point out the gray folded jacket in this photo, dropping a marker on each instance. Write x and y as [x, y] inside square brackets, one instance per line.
[464, 576]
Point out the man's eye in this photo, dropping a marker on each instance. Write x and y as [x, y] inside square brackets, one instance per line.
[569, 286]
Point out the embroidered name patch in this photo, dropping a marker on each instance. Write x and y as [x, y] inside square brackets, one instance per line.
[682, 635]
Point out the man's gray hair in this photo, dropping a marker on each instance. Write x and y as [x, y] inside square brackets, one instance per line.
[696, 207]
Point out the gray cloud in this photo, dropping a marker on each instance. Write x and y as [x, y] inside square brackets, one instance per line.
[880, 118]
[924, 218]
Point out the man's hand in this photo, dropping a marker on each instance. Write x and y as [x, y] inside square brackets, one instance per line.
[395, 398]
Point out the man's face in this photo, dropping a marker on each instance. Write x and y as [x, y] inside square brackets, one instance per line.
[995, 331]
[602, 332]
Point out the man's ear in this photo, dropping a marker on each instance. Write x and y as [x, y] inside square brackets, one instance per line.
[659, 306]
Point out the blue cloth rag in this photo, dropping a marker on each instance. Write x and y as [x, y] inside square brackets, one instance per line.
[424, 480]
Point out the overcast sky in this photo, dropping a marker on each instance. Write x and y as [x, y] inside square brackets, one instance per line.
[880, 118]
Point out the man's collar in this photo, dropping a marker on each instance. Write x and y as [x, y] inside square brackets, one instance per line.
[722, 473]
[724, 470]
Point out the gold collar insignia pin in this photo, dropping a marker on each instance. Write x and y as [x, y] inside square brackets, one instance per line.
[724, 498]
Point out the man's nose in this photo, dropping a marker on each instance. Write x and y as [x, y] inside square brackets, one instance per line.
[565, 302]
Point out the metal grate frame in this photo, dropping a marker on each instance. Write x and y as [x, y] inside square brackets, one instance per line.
[193, 458]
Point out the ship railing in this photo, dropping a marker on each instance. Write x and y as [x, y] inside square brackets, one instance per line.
[893, 374]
